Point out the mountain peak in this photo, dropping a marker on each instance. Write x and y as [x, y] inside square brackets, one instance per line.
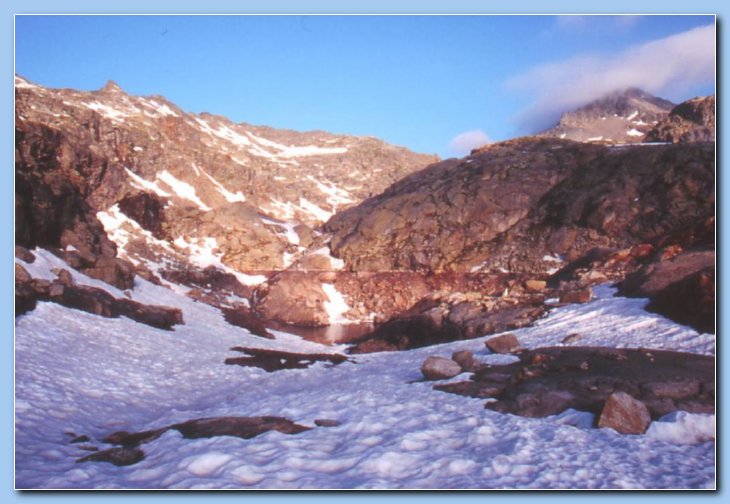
[111, 87]
[622, 116]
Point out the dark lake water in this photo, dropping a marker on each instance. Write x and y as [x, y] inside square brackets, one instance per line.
[329, 335]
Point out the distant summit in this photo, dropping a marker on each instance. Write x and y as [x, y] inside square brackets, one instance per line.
[620, 117]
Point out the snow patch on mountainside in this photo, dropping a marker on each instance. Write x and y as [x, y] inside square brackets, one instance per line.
[182, 189]
[204, 252]
[146, 185]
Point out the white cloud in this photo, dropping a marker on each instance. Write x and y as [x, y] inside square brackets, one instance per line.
[664, 66]
[463, 143]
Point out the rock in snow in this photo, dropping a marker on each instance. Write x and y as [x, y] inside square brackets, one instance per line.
[504, 343]
[624, 414]
[440, 368]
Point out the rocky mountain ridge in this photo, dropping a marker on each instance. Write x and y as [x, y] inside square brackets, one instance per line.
[315, 229]
[178, 191]
[621, 117]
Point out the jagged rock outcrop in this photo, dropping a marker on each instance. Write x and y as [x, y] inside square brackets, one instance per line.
[690, 121]
[620, 117]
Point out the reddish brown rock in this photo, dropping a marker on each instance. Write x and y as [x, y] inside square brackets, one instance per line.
[579, 296]
[504, 343]
[466, 360]
[689, 301]
[440, 368]
[624, 414]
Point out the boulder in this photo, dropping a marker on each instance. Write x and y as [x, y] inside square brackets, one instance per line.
[440, 368]
[504, 343]
[689, 301]
[578, 296]
[624, 414]
[466, 360]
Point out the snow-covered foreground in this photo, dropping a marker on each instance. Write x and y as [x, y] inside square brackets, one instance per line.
[82, 374]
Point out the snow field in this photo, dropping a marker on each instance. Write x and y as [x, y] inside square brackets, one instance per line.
[76, 372]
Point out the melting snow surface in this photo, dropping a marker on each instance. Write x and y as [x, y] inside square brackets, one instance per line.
[634, 132]
[77, 373]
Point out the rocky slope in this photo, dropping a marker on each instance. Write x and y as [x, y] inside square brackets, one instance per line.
[691, 121]
[522, 204]
[621, 117]
[120, 185]
[178, 191]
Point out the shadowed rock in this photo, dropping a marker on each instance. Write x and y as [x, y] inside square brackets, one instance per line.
[118, 456]
[276, 360]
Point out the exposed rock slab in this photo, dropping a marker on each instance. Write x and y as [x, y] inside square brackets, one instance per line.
[547, 381]
[29, 291]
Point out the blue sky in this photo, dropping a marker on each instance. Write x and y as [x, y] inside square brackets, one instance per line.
[435, 84]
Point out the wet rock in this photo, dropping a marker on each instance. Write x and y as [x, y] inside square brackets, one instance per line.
[123, 456]
[440, 368]
[504, 343]
[624, 414]
[276, 360]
